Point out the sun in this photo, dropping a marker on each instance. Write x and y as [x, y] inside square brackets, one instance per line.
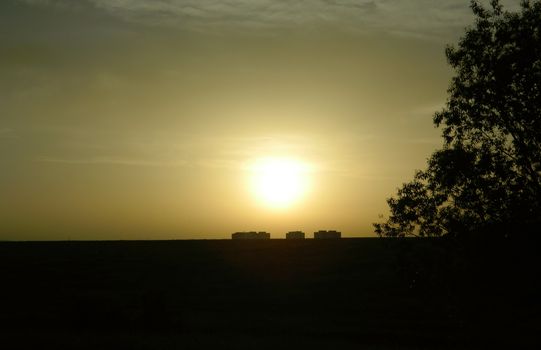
[279, 182]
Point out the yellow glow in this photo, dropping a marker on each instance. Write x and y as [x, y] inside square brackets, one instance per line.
[279, 182]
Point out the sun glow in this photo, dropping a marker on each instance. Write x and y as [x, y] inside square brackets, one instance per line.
[279, 182]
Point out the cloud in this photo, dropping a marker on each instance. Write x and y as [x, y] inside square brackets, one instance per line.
[421, 18]
[231, 153]
[402, 17]
[424, 141]
[113, 161]
[423, 112]
[6, 133]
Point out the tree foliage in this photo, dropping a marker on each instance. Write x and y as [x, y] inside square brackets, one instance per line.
[488, 171]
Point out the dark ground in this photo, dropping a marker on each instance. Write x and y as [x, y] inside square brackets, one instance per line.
[349, 293]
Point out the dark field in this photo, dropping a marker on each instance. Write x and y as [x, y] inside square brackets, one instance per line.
[349, 293]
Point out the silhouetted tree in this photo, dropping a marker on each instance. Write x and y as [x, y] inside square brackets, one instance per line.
[488, 171]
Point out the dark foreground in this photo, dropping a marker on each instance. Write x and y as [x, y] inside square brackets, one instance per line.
[351, 293]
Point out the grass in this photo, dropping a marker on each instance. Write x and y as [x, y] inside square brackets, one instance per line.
[349, 293]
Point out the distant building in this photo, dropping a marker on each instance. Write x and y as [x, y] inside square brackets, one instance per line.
[250, 235]
[327, 234]
[295, 235]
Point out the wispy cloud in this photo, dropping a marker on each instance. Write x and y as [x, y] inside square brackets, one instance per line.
[425, 141]
[424, 18]
[113, 161]
[423, 112]
[356, 15]
[6, 133]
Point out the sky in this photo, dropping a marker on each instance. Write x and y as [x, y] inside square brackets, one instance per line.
[132, 119]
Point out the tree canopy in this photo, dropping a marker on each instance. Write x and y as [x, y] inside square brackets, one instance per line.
[488, 171]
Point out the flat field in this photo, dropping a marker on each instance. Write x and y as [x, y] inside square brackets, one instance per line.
[341, 294]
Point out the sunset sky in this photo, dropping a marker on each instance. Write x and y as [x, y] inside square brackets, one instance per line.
[170, 119]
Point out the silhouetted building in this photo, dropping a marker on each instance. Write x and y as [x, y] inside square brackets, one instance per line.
[295, 235]
[250, 235]
[321, 234]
